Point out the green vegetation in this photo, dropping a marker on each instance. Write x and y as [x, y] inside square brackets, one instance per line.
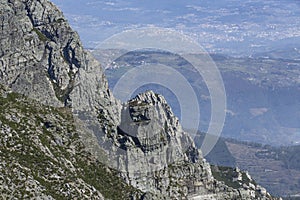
[226, 175]
[105, 180]
[39, 142]
[289, 155]
[41, 36]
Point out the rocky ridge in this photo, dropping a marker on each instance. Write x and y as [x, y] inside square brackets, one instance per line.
[43, 59]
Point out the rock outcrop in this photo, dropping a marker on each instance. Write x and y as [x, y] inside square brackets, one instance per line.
[156, 156]
[42, 58]
[39, 53]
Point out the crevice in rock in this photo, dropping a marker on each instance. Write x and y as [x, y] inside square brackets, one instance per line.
[27, 8]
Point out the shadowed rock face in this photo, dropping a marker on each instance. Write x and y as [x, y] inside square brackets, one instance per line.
[42, 58]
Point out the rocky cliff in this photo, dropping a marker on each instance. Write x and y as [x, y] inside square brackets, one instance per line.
[40, 53]
[74, 139]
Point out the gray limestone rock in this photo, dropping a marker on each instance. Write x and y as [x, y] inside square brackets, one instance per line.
[42, 58]
[39, 53]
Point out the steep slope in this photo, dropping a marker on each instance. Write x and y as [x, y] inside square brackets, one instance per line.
[42, 155]
[133, 150]
[40, 53]
[158, 157]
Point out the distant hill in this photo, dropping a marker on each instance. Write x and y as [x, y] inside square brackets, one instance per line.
[263, 94]
[277, 168]
[223, 26]
[219, 155]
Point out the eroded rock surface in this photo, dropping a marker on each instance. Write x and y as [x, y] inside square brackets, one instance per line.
[42, 57]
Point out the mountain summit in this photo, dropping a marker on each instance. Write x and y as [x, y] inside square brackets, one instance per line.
[64, 135]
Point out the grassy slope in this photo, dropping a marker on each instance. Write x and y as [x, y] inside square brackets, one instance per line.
[41, 155]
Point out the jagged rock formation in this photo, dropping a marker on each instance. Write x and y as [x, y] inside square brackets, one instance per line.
[159, 158]
[42, 58]
[40, 53]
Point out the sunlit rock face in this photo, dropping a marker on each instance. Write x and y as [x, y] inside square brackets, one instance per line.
[42, 57]
[40, 53]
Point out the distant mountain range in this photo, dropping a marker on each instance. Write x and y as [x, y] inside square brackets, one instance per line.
[263, 102]
[233, 27]
[277, 168]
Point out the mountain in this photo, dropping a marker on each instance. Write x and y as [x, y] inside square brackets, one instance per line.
[65, 136]
[276, 168]
[220, 154]
[262, 93]
[262, 108]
